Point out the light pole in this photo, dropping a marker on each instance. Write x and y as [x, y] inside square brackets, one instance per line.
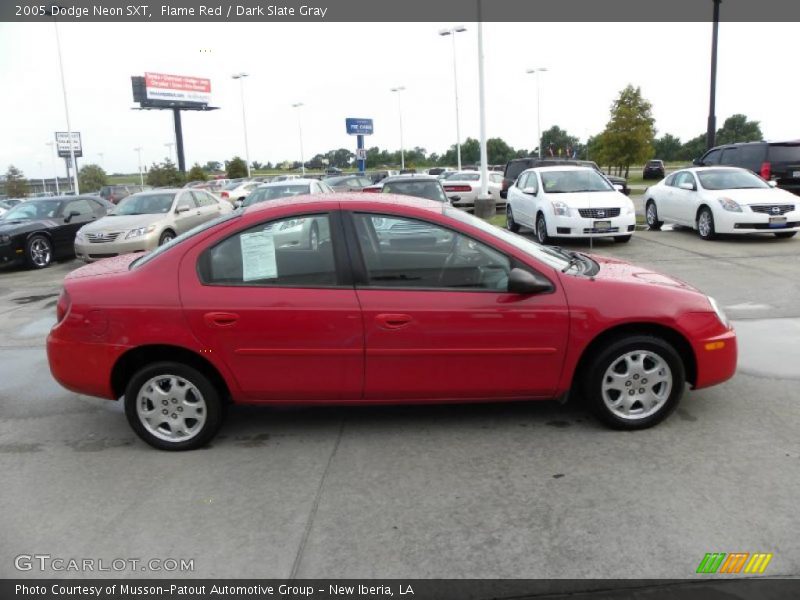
[452, 32]
[169, 146]
[536, 72]
[101, 155]
[297, 105]
[55, 170]
[399, 89]
[240, 77]
[66, 112]
[138, 150]
[41, 173]
[711, 133]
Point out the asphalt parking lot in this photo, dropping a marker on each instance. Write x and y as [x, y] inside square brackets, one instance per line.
[527, 490]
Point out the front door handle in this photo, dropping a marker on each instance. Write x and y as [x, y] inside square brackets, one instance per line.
[393, 320]
[220, 319]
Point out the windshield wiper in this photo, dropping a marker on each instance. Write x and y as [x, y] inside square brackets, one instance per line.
[575, 259]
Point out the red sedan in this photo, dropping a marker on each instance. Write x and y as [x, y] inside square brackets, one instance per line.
[376, 299]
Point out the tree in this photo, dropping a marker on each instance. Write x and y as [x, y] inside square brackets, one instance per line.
[557, 142]
[16, 184]
[91, 178]
[694, 148]
[629, 134]
[212, 165]
[498, 152]
[236, 168]
[667, 147]
[738, 129]
[164, 175]
[196, 173]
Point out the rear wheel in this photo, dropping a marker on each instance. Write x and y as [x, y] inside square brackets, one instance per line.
[705, 224]
[785, 234]
[635, 382]
[167, 236]
[511, 224]
[172, 406]
[651, 214]
[541, 230]
[38, 252]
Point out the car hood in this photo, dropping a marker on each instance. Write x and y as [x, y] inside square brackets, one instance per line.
[613, 269]
[123, 222]
[11, 227]
[592, 199]
[756, 196]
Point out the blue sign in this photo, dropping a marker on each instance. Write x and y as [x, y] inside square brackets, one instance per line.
[359, 126]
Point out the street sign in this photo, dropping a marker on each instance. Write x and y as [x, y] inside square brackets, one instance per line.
[361, 154]
[62, 144]
[359, 126]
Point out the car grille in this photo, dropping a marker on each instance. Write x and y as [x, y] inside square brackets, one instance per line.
[773, 209]
[102, 238]
[594, 230]
[598, 213]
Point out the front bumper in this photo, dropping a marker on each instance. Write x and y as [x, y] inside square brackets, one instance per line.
[11, 253]
[575, 226]
[92, 251]
[749, 221]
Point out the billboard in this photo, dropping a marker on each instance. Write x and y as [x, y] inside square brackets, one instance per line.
[358, 126]
[177, 88]
[62, 144]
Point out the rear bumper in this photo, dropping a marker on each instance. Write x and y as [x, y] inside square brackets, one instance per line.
[82, 367]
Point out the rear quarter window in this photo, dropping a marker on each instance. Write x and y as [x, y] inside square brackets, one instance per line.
[789, 153]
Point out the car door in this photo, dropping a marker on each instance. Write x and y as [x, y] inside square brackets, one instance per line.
[285, 320]
[683, 202]
[438, 320]
[64, 233]
[189, 218]
[523, 200]
[208, 208]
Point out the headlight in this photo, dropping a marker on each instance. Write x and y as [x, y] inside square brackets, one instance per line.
[630, 209]
[5, 239]
[560, 209]
[730, 205]
[79, 237]
[140, 231]
[720, 314]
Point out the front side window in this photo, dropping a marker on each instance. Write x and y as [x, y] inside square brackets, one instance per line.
[82, 207]
[712, 158]
[292, 252]
[407, 253]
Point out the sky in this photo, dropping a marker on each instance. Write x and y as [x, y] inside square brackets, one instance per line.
[340, 70]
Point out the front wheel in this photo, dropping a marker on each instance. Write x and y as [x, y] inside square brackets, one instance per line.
[511, 224]
[705, 224]
[635, 382]
[172, 406]
[38, 252]
[785, 234]
[541, 230]
[167, 236]
[651, 214]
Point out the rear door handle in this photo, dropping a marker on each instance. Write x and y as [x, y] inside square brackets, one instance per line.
[220, 319]
[393, 320]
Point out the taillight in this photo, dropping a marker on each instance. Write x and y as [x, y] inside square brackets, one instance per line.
[766, 170]
[506, 185]
[225, 195]
[457, 188]
[372, 190]
[62, 307]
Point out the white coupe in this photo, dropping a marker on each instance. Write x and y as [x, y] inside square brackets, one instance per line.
[716, 200]
[570, 202]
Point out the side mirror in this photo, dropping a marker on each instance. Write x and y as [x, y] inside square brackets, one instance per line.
[689, 187]
[698, 162]
[182, 209]
[618, 187]
[521, 281]
[772, 183]
[72, 213]
[531, 191]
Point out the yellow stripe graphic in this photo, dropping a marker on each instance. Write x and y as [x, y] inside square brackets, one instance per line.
[758, 563]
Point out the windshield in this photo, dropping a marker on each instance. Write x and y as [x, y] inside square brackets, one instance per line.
[233, 185]
[144, 204]
[570, 182]
[551, 256]
[274, 192]
[46, 209]
[729, 179]
[431, 190]
[464, 177]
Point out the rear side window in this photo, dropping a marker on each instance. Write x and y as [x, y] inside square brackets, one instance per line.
[294, 252]
[789, 153]
[751, 156]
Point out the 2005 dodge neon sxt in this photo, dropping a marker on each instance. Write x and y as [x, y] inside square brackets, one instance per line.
[376, 299]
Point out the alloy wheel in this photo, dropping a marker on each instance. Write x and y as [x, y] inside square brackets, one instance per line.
[171, 408]
[637, 384]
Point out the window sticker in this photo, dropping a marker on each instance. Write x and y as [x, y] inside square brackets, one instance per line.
[258, 256]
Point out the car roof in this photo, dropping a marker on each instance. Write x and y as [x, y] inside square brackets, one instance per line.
[352, 201]
[300, 181]
[561, 168]
[715, 168]
[410, 177]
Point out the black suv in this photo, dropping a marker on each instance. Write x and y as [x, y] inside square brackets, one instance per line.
[654, 169]
[779, 161]
[517, 165]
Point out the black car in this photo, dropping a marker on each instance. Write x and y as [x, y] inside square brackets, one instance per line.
[777, 161]
[41, 230]
[517, 165]
[654, 169]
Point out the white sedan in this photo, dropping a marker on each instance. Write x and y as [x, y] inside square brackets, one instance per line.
[237, 191]
[463, 187]
[569, 202]
[716, 200]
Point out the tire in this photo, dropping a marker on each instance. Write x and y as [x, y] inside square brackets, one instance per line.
[511, 224]
[38, 252]
[605, 387]
[705, 224]
[150, 391]
[167, 236]
[651, 215]
[622, 239]
[785, 234]
[541, 230]
[313, 237]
